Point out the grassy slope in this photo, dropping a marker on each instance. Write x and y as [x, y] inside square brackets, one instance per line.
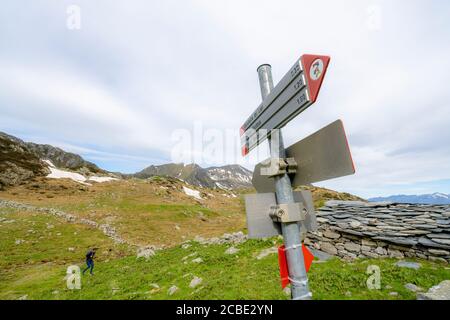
[143, 212]
[37, 267]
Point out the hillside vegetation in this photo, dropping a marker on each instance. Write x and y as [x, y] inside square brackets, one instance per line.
[38, 244]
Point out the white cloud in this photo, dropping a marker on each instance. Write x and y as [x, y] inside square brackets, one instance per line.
[136, 72]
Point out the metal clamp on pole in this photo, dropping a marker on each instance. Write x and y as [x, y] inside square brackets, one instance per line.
[291, 165]
[277, 167]
[288, 212]
[274, 167]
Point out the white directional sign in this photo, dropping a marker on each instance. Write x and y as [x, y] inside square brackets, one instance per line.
[296, 91]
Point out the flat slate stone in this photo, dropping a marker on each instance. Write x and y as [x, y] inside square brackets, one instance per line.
[323, 213]
[424, 226]
[342, 216]
[416, 232]
[428, 243]
[411, 213]
[368, 233]
[439, 235]
[441, 241]
[410, 265]
[352, 232]
[381, 216]
[401, 241]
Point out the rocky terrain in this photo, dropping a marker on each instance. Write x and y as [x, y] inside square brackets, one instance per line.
[226, 177]
[22, 161]
[63, 159]
[352, 229]
[17, 162]
[60, 158]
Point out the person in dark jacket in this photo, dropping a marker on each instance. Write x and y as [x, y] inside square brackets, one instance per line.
[90, 260]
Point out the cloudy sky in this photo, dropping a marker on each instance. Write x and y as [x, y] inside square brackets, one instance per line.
[124, 82]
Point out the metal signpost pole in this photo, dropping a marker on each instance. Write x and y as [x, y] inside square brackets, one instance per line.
[283, 188]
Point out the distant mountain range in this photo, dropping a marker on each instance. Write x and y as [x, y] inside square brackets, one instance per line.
[435, 198]
[21, 161]
[226, 177]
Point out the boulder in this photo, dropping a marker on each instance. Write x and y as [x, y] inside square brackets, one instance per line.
[439, 292]
[412, 287]
[195, 282]
[266, 252]
[232, 250]
[172, 290]
[197, 260]
[410, 265]
[145, 252]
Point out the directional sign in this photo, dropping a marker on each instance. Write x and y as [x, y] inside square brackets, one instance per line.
[322, 156]
[296, 91]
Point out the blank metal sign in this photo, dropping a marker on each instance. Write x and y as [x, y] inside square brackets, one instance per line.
[259, 223]
[321, 156]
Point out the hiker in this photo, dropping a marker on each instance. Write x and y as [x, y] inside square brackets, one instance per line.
[90, 260]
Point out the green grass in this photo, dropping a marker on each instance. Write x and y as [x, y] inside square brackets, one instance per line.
[37, 268]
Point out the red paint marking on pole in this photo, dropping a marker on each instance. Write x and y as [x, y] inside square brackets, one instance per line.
[244, 151]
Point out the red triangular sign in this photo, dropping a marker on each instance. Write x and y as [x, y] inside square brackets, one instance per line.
[315, 68]
[282, 261]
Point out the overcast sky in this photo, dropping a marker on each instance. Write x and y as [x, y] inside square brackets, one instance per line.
[121, 88]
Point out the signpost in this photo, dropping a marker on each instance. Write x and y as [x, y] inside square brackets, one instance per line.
[296, 91]
[324, 155]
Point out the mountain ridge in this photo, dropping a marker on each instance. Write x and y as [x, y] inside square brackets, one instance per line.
[433, 198]
[21, 161]
[231, 176]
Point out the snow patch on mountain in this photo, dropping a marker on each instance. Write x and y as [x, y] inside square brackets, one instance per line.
[64, 174]
[192, 193]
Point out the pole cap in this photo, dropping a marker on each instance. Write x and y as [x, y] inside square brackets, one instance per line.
[263, 65]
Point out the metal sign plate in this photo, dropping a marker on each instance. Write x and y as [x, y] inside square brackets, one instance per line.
[259, 223]
[305, 197]
[296, 91]
[321, 156]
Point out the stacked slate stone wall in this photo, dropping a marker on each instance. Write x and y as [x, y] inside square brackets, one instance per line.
[351, 229]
